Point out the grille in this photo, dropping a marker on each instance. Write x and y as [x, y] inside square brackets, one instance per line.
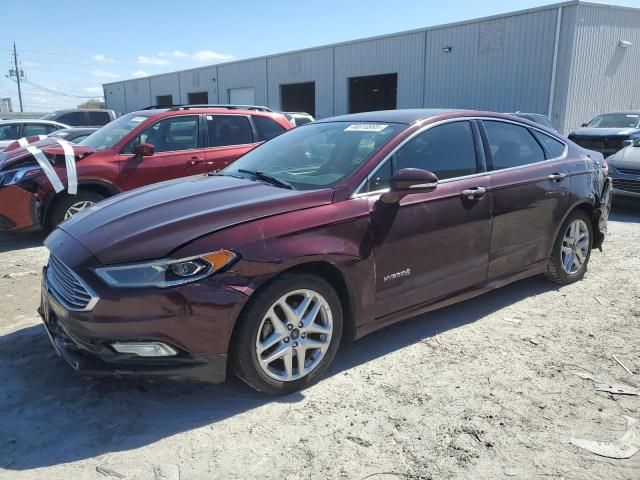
[67, 288]
[628, 171]
[627, 185]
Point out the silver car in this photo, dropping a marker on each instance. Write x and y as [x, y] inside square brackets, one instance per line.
[624, 169]
[12, 130]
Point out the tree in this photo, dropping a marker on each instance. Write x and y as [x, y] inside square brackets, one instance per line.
[92, 104]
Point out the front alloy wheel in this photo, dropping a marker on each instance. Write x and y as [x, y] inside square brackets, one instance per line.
[288, 334]
[77, 208]
[294, 335]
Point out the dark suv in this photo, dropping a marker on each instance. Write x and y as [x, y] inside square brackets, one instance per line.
[334, 229]
[134, 150]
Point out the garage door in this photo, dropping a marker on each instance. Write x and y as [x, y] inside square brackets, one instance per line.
[242, 96]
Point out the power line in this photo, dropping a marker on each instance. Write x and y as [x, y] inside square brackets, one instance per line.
[56, 92]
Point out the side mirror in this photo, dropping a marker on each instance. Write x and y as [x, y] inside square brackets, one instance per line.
[143, 150]
[407, 181]
[584, 124]
[627, 143]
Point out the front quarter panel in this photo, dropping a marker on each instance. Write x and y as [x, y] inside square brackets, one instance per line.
[338, 234]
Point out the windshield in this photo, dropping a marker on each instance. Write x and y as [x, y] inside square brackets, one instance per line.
[318, 155]
[615, 120]
[107, 136]
[49, 116]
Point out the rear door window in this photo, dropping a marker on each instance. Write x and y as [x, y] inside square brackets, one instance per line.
[512, 145]
[75, 119]
[38, 129]
[225, 130]
[97, 119]
[267, 128]
[553, 148]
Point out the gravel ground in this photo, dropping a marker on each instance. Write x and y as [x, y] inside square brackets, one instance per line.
[491, 388]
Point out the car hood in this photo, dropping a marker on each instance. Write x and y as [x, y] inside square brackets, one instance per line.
[628, 157]
[152, 221]
[604, 132]
[49, 146]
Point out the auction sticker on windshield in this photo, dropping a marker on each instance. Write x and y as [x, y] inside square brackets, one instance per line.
[365, 127]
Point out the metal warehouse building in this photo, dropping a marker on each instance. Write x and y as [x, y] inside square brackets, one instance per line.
[569, 60]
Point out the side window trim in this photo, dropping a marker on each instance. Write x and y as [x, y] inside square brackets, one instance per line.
[481, 157]
[487, 149]
[254, 131]
[254, 136]
[151, 125]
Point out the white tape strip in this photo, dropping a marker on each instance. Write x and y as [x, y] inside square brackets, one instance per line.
[48, 170]
[70, 160]
[23, 142]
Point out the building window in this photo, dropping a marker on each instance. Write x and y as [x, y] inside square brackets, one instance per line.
[299, 97]
[198, 98]
[375, 92]
[164, 100]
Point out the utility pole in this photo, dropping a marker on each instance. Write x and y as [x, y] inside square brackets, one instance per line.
[18, 74]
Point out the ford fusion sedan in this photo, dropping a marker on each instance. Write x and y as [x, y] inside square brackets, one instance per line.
[624, 169]
[608, 133]
[136, 149]
[328, 232]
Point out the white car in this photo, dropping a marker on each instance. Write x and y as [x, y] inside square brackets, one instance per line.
[12, 130]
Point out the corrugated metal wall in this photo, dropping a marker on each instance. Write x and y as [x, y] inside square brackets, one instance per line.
[114, 97]
[503, 64]
[604, 77]
[199, 80]
[166, 84]
[401, 54]
[138, 94]
[250, 73]
[309, 66]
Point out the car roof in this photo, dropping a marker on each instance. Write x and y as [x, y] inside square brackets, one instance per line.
[68, 110]
[32, 120]
[631, 112]
[412, 115]
[192, 110]
[78, 129]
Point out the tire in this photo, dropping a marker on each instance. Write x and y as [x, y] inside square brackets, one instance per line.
[566, 265]
[263, 322]
[63, 205]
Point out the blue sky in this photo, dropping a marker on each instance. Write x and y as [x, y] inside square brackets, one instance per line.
[76, 45]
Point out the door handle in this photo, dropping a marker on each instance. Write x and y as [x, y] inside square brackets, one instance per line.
[474, 193]
[194, 161]
[557, 177]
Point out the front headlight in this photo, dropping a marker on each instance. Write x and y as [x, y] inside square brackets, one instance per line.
[166, 273]
[11, 177]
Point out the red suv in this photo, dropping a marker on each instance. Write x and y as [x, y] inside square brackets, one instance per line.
[134, 150]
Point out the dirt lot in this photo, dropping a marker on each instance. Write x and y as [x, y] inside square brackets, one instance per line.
[491, 388]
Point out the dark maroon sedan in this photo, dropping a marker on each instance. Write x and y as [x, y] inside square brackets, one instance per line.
[329, 231]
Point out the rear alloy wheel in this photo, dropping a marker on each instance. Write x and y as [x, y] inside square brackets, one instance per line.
[572, 249]
[69, 205]
[288, 335]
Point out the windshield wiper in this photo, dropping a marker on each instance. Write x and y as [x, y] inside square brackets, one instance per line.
[268, 178]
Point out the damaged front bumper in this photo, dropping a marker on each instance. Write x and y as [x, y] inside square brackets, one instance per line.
[18, 209]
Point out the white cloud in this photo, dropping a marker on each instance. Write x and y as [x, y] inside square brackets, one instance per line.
[210, 56]
[140, 73]
[94, 90]
[104, 74]
[175, 53]
[98, 57]
[152, 60]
